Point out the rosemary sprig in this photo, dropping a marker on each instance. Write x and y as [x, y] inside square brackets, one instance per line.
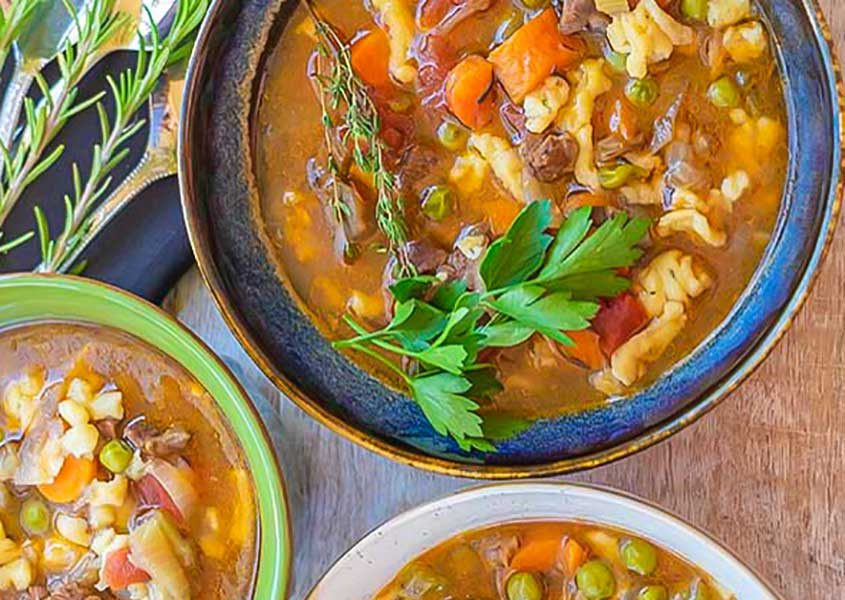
[12, 20]
[342, 92]
[26, 162]
[130, 92]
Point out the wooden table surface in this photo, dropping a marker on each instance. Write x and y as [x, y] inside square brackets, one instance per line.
[765, 473]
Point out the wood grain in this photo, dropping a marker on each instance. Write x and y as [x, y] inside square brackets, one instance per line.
[763, 473]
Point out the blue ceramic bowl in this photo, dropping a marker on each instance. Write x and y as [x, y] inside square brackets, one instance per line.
[238, 262]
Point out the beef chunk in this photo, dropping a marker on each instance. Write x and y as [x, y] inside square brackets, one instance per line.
[551, 156]
[579, 15]
[151, 441]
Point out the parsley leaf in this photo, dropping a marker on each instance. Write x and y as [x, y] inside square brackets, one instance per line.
[518, 254]
[441, 398]
[448, 358]
[549, 314]
[412, 287]
[611, 246]
[506, 335]
[415, 323]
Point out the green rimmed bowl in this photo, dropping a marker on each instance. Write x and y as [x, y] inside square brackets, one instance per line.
[28, 298]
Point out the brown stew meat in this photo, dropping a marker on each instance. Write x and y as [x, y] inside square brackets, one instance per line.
[118, 476]
[550, 561]
[399, 140]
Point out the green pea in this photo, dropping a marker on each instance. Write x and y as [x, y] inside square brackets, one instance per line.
[402, 103]
[437, 202]
[724, 93]
[613, 178]
[116, 456]
[451, 135]
[639, 556]
[617, 61]
[595, 580]
[35, 517]
[653, 592]
[524, 586]
[694, 9]
[642, 92]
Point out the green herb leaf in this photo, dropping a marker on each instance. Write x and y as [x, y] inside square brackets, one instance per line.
[548, 314]
[415, 323]
[485, 382]
[442, 399]
[572, 233]
[504, 427]
[612, 246]
[517, 255]
[449, 358]
[507, 335]
[412, 287]
[446, 296]
[591, 286]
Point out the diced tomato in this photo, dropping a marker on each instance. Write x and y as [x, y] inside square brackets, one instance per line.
[618, 320]
[370, 56]
[119, 572]
[152, 493]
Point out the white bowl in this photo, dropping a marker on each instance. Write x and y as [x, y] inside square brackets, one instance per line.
[374, 561]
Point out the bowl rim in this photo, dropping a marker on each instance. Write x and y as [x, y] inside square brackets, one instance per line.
[479, 493]
[272, 578]
[708, 400]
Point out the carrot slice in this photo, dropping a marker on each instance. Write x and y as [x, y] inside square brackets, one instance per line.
[469, 91]
[534, 52]
[587, 348]
[75, 474]
[537, 555]
[371, 58]
[576, 201]
[574, 556]
[119, 572]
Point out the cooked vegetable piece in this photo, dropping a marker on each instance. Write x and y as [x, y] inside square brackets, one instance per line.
[574, 555]
[595, 580]
[642, 92]
[537, 554]
[639, 556]
[534, 52]
[724, 93]
[653, 592]
[119, 572]
[613, 178]
[437, 202]
[116, 456]
[694, 9]
[370, 56]
[469, 91]
[587, 348]
[76, 473]
[524, 586]
[35, 517]
[452, 136]
[152, 551]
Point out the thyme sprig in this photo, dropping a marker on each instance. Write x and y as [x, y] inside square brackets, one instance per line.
[342, 93]
[130, 93]
[25, 162]
[12, 21]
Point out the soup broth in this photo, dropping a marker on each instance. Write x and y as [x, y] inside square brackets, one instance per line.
[119, 476]
[690, 135]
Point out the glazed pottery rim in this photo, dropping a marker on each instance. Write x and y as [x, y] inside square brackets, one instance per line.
[272, 574]
[479, 492]
[707, 400]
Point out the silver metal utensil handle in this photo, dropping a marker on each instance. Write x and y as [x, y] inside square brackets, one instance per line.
[155, 165]
[10, 110]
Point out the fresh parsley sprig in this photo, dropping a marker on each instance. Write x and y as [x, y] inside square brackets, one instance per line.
[535, 283]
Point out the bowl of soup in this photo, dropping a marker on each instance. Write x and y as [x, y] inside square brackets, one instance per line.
[503, 239]
[132, 463]
[539, 541]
